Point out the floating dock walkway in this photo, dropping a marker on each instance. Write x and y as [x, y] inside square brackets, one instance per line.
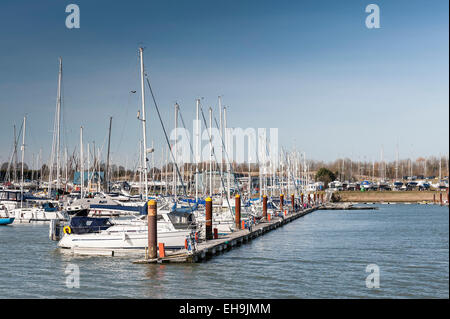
[207, 249]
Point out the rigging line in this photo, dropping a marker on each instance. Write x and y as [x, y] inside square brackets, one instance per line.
[167, 140]
[10, 163]
[268, 153]
[190, 145]
[16, 143]
[214, 153]
[236, 184]
[182, 121]
[13, 152]
[289, 169]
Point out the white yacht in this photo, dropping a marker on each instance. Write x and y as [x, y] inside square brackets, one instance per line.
[37, 213]
[173, 229]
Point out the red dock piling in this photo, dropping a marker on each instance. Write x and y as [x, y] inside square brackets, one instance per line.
[293, 202]
[216, 233]
[265, 206]
[208, 221]
[281, 201]
[237, 216]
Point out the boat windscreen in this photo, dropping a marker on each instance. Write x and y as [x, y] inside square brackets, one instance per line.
[80, 225]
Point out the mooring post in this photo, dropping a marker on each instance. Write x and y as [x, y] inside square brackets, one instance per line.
[281, 202]
[208, 226]
[152, 233]
[301, 197]
[237, 215]
[216, 233]
[265, 207]
[293, 202]
[309, 199]
[162, 250]
[440, 198]
[434, 198]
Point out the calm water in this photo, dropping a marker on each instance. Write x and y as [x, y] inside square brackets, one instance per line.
[322, 255]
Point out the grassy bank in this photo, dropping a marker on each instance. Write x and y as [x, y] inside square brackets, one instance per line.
[390, 196]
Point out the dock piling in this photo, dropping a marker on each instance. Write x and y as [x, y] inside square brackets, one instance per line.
[208, 217]
[238, 212]
[265, 207]
[152, 229]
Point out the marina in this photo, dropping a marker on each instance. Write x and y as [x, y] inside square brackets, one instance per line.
[222, 244]
[197, 208]
[210, 150]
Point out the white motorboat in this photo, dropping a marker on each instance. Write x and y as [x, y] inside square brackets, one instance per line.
[87, 232]
[38, 213]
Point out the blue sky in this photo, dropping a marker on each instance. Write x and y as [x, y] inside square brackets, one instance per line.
[311, 68]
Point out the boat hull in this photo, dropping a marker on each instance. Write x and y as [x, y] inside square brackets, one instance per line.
[31, 215]
[6, 221]
[171, 240]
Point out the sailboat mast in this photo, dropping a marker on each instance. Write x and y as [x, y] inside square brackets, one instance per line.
[153, 188]
[144, 129]
[58, 124]
[89, 167]
[23, 158]
[249, 178]
[197, 148]
[227, 150]
[140, 168]
[440, 168]
[106, 187]
[396, 163]
[67, 164]
[221, 138]
[210, 152]
[40, 165]
[15, 155]
[81, 164]
[174, 169]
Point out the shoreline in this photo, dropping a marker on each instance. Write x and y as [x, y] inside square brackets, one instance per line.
[428, 197]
